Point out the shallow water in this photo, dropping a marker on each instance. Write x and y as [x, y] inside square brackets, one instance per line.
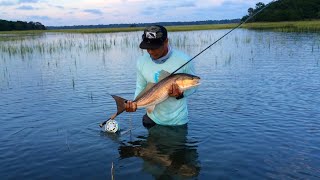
[255, 115]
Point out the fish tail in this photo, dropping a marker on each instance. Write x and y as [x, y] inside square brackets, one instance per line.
[120, 103]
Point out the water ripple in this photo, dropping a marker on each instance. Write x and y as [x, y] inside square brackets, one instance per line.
[254, 116]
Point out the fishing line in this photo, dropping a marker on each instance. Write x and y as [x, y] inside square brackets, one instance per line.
[104, 123]
[223, 36]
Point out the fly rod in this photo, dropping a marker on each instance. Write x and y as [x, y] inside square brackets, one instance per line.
[114, 115]
[250, 17]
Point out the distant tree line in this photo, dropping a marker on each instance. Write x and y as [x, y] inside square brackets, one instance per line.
[227, 21]
[20, 25]
[286, 10]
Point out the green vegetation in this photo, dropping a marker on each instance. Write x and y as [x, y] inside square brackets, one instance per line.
[288, 26]
[128, 29]
[177, 23]
[297, 26]
[24, 32]
[20, 25]
[286, 10]
[98, 30]
[291, 26]
[200, 27]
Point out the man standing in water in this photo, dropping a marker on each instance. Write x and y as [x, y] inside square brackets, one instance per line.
[161, 56]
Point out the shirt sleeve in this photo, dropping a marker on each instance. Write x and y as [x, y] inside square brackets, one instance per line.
[141, 83]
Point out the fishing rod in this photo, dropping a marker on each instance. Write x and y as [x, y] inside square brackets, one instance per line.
[113, 126]
[250, 17]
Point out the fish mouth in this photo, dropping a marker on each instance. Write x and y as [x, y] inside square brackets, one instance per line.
[197, 80]
[196, 84]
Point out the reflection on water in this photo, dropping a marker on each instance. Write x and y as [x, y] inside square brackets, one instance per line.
[165, 151]
[255, 114]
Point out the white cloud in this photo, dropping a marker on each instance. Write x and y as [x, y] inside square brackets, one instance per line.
[28, 1]
[26, 8]
[93, 11]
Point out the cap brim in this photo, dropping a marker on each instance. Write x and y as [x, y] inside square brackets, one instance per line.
[145, 45]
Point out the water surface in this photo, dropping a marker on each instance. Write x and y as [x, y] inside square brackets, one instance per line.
[255, 115]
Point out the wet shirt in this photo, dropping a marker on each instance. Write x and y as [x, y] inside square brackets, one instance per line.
[171, 111]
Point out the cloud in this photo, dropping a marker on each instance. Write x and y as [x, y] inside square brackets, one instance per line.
[149, 11]
[60, 7]
[134, 11]
[93, 11]
[55, 6]
[164, 8]
[28, 1]
[45, 18]
[187, 4]
[26, 8]
[7, 3]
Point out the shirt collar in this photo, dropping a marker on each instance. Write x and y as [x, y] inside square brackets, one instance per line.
[164, 58]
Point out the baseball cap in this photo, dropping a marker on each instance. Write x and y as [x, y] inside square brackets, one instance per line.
[153, 37]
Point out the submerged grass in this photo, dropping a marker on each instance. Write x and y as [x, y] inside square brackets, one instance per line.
[23, 32]
[98, 30]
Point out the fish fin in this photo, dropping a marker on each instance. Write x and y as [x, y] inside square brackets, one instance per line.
[150, 108]
[163, 74]
[120, 104]
[149, 86]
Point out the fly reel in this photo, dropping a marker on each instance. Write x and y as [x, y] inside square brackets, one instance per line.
[111, 126]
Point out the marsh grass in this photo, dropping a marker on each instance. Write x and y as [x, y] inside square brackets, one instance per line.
[98, 30]
[30, 42]
[292, 26]
[44, 44]
[129, 29]
[200, 27]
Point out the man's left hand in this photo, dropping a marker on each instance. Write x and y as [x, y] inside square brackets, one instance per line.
[175, 91]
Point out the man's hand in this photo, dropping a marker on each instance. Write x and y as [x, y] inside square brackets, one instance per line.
[130, 106]
[175, 91]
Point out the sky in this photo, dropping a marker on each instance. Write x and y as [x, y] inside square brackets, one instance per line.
[94, 12]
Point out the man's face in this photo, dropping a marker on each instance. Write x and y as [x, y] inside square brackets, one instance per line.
[160, 52]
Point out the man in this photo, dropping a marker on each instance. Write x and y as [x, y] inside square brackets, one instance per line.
[161, 56]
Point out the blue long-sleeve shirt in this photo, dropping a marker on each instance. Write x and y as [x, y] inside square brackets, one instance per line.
[171, 111]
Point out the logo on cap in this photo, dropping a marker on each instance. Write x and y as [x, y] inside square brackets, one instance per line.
[151, 35]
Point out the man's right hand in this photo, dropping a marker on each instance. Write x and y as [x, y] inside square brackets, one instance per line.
[130, 106]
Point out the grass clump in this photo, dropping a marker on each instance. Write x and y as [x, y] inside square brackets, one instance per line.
[289, 26]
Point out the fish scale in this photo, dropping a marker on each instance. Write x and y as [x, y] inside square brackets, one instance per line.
[155, 95]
